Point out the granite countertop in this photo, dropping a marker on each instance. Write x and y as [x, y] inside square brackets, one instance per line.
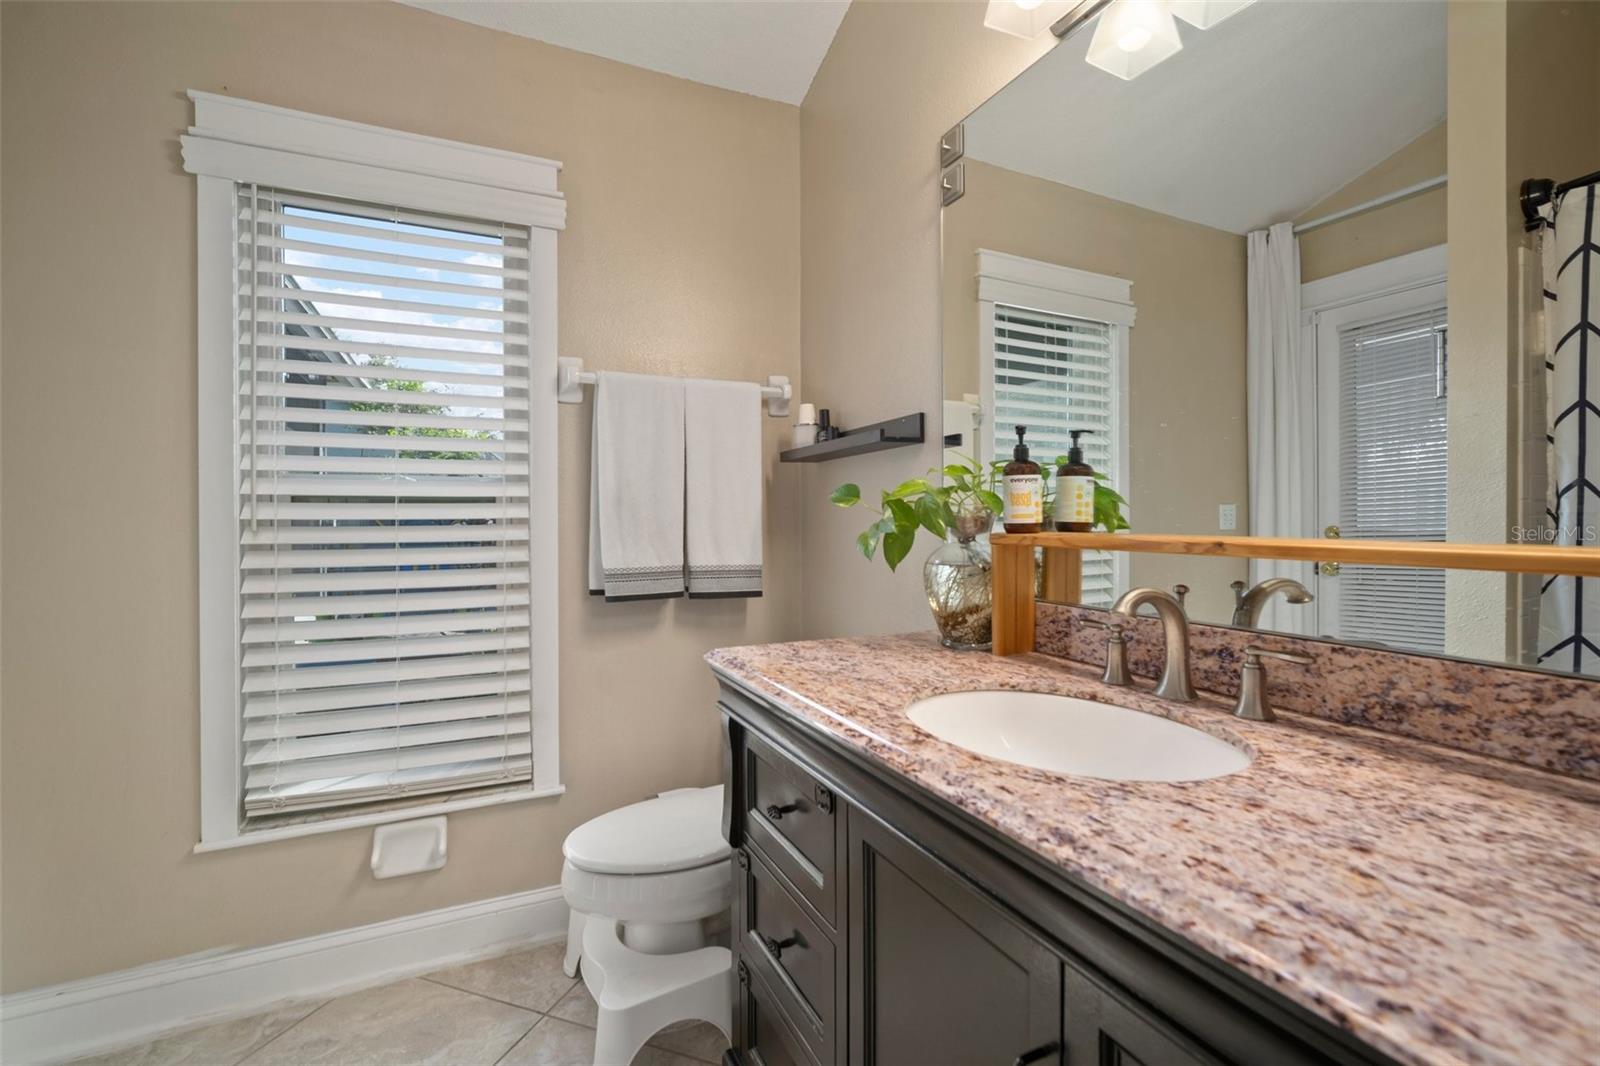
[1441, 906]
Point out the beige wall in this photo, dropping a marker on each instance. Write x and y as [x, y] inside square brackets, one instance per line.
[897, 77]
[682, 256]
[1186, 351]
[1407, 225]
[1524, 101]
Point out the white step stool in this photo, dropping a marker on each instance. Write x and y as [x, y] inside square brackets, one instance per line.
[641, 994]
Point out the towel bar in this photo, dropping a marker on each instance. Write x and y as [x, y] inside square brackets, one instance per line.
[571, 378]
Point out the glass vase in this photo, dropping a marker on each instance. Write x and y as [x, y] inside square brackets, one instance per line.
[956, 577]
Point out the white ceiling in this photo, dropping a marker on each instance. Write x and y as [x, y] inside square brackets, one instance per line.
[1254, 121]
[767, 48]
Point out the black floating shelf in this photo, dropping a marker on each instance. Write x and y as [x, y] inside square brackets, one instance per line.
[895, 433]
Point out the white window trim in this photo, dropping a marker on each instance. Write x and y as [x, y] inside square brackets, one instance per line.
[237, 140]
[1330, 296]
[1399, 274]
[1019, 282]
[1030, 283]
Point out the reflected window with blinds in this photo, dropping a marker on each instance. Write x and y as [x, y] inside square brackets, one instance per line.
[1394, 376]
[382, 436]
[1055, 373]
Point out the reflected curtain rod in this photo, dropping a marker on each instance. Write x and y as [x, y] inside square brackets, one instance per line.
[1373, 204]
[1536, 192]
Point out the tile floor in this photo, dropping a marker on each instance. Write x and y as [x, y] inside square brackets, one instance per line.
[514, 1010]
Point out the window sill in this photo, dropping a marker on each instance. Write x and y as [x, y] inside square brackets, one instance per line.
[361, 821]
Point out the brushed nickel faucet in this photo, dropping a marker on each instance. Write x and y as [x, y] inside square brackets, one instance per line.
[1247, 606]
[1175, 683]
[1253, 683]
[1116, 653]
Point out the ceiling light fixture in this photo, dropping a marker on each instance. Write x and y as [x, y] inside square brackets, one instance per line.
[1025, 18]
[1204, 14]
[1132, 37]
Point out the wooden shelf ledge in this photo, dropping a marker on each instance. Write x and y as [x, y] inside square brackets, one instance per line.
[1510, 558]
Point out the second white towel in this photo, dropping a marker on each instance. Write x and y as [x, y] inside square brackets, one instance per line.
[722, 438]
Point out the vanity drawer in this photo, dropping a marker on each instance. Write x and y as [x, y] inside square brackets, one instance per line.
[783, 944]
[793, 821]
[762, 1033]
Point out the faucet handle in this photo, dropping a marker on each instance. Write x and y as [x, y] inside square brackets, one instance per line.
[1253, 703]
[1116, 652]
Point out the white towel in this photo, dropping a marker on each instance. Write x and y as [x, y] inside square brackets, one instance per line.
[722, 441]
[636, 488]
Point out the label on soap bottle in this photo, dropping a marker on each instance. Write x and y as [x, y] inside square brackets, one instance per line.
[1075, 498]
[1024, 499]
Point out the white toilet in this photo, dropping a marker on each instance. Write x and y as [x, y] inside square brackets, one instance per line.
[641, 882]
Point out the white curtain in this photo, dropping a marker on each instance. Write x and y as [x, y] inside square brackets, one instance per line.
[1569, 607]
[1280, 384]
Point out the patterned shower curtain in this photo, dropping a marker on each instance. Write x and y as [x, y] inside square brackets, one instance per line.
[1569, 607]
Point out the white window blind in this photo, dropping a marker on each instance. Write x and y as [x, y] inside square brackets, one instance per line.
[382, 435]
[1055, 373]
[1393, 378]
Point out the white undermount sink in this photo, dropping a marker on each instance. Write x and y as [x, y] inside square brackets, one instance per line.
[1073, 736]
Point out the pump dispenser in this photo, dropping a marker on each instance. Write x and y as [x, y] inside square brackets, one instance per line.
[1023, 483]
[1075, 490]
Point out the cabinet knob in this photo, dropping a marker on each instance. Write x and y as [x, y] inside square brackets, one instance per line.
[775, 947]
[1043, 1051]
[775, 812]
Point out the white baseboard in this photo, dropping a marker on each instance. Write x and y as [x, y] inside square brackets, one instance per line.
[67, 1021]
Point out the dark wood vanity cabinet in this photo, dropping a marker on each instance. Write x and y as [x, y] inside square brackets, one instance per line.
[875, 923]
[938, 973]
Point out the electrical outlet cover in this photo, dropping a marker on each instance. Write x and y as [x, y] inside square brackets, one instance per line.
[1227, 516]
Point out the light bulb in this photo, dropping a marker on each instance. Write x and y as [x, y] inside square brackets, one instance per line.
[1027, 5]
[1133, 39]
[1133, 36]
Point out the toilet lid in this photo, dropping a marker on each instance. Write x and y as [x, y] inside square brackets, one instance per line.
[679, 831]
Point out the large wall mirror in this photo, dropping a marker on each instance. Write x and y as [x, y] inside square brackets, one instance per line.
[1278, 268]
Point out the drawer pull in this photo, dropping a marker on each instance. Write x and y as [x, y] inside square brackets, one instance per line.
[775, 947]
[1043, 1051]
[775, 812]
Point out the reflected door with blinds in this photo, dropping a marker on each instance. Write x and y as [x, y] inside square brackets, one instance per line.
[382, 437]
[1055, 373]
[1383, 376]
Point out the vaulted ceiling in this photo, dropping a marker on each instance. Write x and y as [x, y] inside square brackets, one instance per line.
[770, 48]
[1253, 121]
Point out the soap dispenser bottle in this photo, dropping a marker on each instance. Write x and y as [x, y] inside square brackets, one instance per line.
[1023, 483]
[1075, 490]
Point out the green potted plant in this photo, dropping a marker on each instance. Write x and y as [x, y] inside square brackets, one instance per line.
[959, 511]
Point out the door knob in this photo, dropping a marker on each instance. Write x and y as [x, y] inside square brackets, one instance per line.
[1330, 569]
